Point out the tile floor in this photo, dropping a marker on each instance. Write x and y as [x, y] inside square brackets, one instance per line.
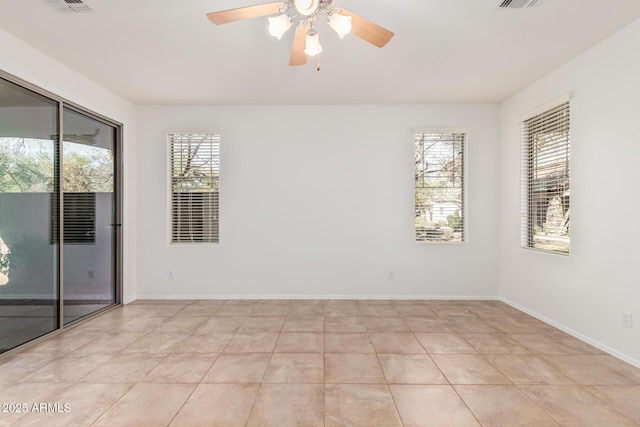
[316, 363]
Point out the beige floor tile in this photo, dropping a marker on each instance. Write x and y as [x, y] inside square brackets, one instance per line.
[147, 405]
[157, 342]
[360, 405]
[580, 347]
[238, 368]
[270, 309]
[468, 369]
[352, 369]
[410, 369]
[493, 343]
[156, 309]
[68, 369]
[385, 324]
[426, 324]
[124, 368]
[181, 368]
[467, 325]
[574, 406]
[377, 310]
[235, 310]
[303, 324]
[213, 343]
[285, 405]
[593, 370]
[86, 402]
[182, 324]
[503, 406]
[300, 342]
[295, 368]
[60, 344]
[488, 312]
[431, 406]
[344, 324]
[520, 324]
[306, 308]
[217, 325]
[395, 343]
[452, 311]
[542, 344]
[341, 310]
[527, 369]
[252, 342]
[262, 324]
[445, 343]
[15, 368]
[348, 343]
[415, 310]
[139, 324]
[111, 343]
[233, 403]
[199, 310]
[624, 399]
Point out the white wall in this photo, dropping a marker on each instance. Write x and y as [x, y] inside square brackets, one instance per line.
[35, 67]
[317, 201]
[586, 292]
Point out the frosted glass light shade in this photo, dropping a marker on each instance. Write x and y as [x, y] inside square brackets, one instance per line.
[279, 25]
[312, 45]
[341, 24]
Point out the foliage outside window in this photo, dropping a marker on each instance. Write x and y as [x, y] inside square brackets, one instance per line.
[439, 187]
[194, 187]
[26, 166]
[546, 185]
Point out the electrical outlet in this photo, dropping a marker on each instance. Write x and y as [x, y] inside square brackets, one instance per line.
[627, 319]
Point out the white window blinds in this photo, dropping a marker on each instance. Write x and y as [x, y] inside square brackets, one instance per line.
[439, 187]
[194, 187]
[545, 180]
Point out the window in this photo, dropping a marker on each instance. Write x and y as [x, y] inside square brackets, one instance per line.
[439, 187]
[195, 186]
[545, 180]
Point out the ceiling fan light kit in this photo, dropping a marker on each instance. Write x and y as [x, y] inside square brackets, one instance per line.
[304, 14]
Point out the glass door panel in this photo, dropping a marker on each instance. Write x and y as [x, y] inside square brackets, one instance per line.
[29, 294]
[88, 169]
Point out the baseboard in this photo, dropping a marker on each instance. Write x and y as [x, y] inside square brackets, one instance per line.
[615, 353]
[322, 297]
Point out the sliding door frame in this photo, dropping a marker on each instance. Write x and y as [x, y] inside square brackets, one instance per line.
[118, 189]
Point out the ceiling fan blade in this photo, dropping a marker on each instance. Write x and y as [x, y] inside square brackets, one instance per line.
[231, 15]
[298, 57]
[367, 30]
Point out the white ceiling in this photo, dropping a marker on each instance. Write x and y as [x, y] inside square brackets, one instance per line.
[444, 51]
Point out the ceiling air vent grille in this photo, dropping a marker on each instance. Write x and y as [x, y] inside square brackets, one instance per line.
[517, 4]
[69, 5]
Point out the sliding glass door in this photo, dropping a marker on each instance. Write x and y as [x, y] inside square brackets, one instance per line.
[89, 226]
[59, 235]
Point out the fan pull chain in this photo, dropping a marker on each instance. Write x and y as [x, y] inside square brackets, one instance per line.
[318, 66]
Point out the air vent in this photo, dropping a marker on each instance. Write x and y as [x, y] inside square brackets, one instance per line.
[69, 5]
[517, 4]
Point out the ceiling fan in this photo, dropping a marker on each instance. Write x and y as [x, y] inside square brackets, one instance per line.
[305, 13]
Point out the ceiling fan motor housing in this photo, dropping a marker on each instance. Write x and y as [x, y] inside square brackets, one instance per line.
[306, 7]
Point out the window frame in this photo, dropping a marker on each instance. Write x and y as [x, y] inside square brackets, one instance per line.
[170, 136]
[464, 210]
[527, 170]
